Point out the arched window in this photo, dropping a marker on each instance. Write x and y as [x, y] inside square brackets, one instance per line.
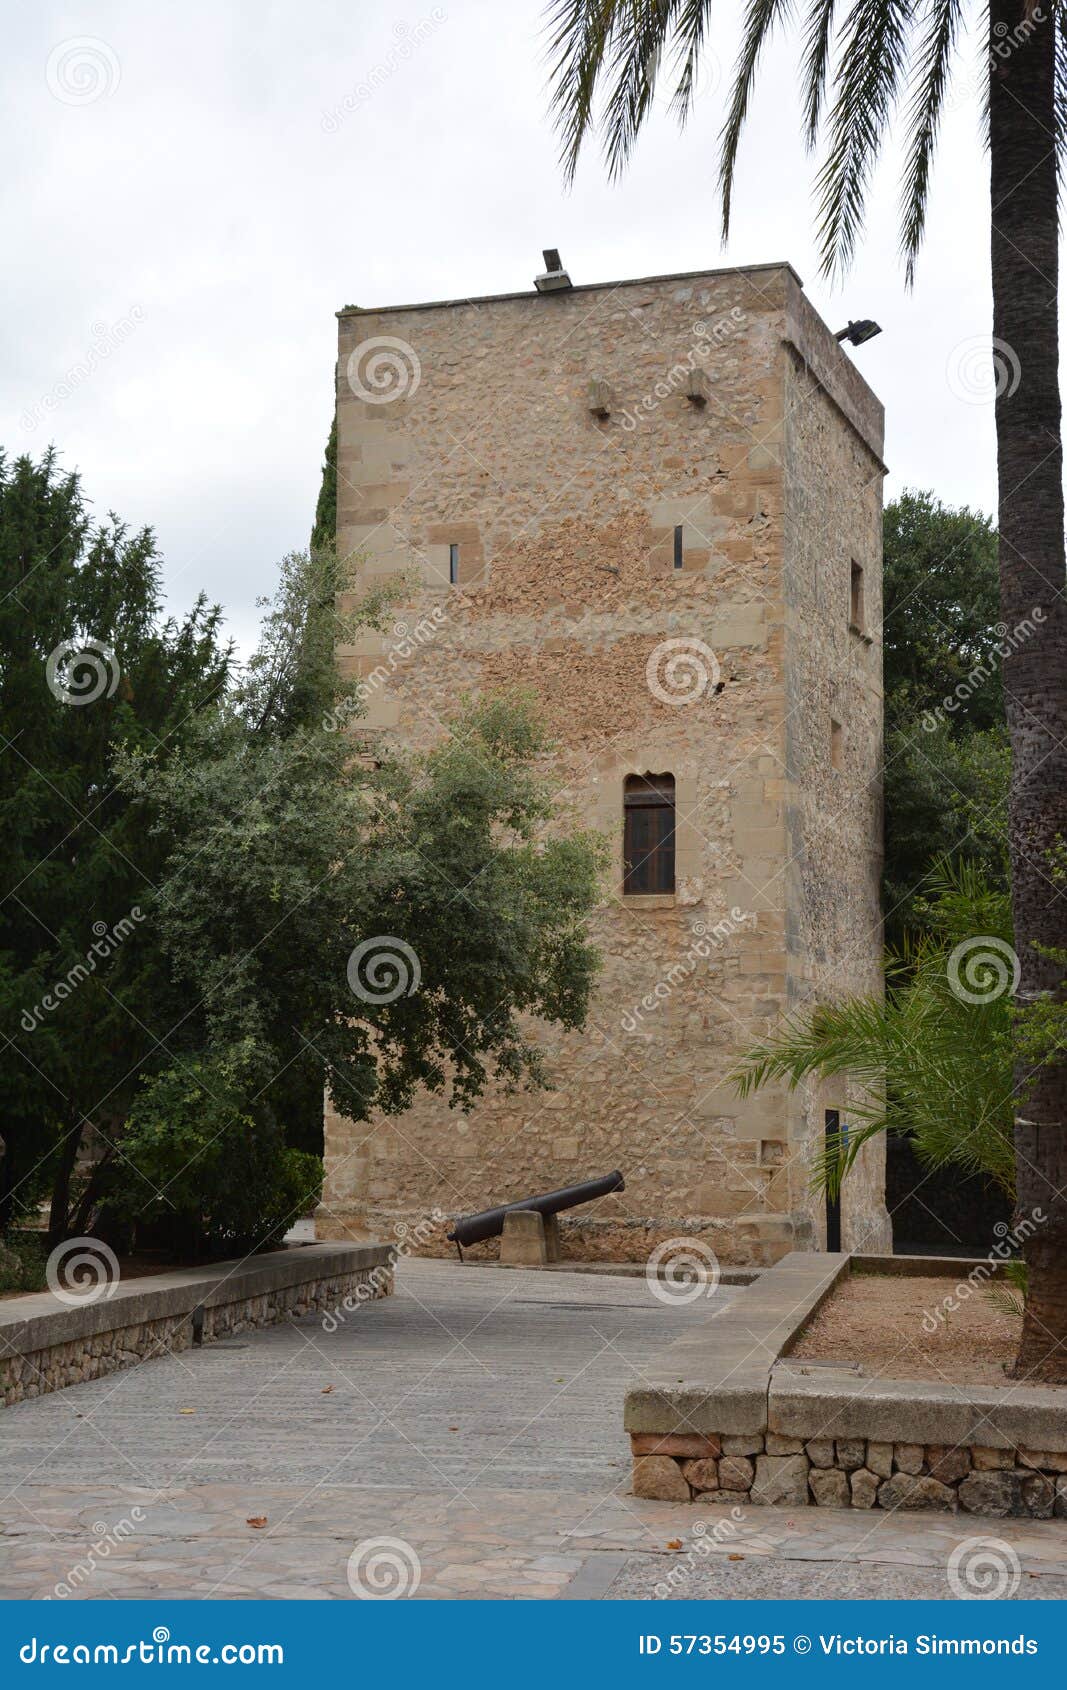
[648, 834]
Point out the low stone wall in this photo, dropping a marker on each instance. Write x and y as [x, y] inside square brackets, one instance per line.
[849, 1473]
[46, 1343]
[739, 1422]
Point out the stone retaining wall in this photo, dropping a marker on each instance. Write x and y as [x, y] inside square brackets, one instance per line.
[46, 1343]
[737, 1421]
[849, 1473]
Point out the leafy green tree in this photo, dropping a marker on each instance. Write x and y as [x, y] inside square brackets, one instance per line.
[324, 529]
[940, 634]
[855, 71]
[87, 663]
[373, 929]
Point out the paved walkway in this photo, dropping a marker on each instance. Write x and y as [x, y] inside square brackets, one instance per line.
[461, 1439]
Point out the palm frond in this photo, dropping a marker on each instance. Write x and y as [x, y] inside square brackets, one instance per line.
[837, 1154]
[818, 36]
[580, 35]
[872, 61]
[621, 40]
[760, 19]
[923, 120]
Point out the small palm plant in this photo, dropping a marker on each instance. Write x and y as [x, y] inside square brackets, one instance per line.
[933, 1057]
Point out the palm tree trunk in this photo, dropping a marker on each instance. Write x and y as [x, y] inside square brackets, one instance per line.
[1025, 238]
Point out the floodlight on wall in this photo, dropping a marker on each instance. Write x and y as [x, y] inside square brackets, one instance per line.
[857, 333]
[555, 277]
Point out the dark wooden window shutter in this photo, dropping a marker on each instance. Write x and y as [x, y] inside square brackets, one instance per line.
[648, 834]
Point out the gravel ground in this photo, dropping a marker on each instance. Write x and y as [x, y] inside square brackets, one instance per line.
[901, 1328]
[763, 1578]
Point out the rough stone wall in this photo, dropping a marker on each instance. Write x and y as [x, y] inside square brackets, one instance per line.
[833, 501]
[763, 1468]
[564, 520]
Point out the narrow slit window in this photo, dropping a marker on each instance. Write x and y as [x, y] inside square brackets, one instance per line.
[678, 549]
[856, 614]
[453, 565]
[837, 745]
[648, 835]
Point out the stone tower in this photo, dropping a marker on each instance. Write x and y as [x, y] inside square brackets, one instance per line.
[657, 505]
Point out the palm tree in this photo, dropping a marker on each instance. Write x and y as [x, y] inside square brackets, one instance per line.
[855, 73]
[934, 1062]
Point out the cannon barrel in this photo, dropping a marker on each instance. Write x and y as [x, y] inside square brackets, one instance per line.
[472, 1229]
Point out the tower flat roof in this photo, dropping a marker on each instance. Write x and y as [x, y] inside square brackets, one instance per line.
[577, 287]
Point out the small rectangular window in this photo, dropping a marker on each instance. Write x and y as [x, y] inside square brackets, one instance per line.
[678, 550]
[648, 835]
[856, 614]
[453, 565]
[837, 745]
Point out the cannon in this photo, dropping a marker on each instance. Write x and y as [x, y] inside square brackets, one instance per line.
[473, 1229]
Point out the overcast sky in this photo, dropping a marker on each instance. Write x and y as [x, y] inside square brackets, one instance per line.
[191, 191]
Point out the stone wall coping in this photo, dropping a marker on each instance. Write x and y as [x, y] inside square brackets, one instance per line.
[716, 1378]
[40, 1319]
[733, 1375]
[915, 1411]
